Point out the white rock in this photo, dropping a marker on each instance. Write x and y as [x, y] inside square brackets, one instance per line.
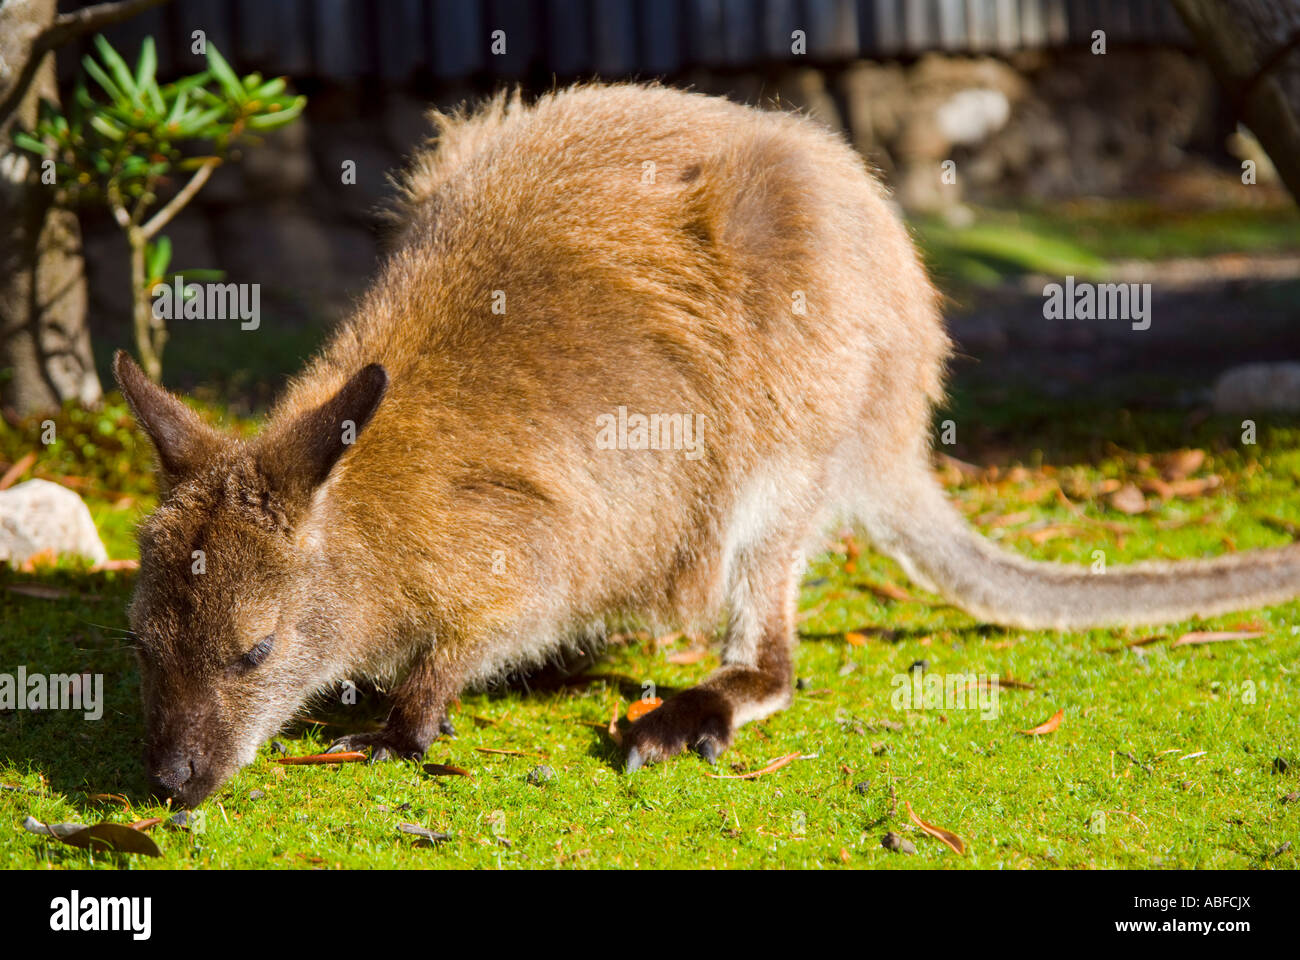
[39, 515]
[1257, 388]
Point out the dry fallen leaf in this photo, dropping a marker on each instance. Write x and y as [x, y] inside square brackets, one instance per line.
[423, 833]
[639, 708]
[446, 770]
[1009, 520]
[1216, 636]
[947, 837]
[614, 733]
[117, 837]
[1143, 641]
[115, 565]
[687, 657]
[1043, 534]
[1190, 489]
[1181, 463]
[856, 639]
[1047, 726]
[1128, 499]
[775, 765]
[885, 591]
[110, 798]
[346, 756]
[17, 470]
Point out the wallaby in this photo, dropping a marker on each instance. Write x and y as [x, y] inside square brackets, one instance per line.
[632, 350]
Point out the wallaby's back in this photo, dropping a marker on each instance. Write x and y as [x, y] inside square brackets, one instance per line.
[651, 249]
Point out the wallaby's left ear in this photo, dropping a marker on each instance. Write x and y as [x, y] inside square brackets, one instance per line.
[298, 456]
[183, 441]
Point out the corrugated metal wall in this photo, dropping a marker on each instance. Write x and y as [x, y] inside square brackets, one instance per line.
[397, 40]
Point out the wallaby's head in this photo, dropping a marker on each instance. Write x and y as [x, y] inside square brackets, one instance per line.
[233, 622]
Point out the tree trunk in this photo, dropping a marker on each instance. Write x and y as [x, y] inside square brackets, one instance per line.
[1253, 47]
[45, 355]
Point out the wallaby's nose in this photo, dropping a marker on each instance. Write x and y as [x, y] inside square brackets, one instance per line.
[172, 773]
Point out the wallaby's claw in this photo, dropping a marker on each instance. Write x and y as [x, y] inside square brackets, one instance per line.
[381, 744]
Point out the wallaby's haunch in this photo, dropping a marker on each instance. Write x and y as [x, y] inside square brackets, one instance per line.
[607, 254]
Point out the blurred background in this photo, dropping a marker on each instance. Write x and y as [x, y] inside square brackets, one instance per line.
[1067, 161]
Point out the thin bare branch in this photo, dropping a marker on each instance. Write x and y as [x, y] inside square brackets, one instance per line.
[177, 203]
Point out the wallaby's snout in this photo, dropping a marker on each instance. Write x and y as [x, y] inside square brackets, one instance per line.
[170, 772]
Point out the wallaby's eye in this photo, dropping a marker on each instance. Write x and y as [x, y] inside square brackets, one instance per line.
[259, 653]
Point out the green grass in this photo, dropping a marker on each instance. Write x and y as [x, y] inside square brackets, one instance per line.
[1164, 758]
[1082, 239]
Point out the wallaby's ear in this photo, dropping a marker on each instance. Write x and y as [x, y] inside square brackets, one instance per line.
[299, 456]
[183, 441]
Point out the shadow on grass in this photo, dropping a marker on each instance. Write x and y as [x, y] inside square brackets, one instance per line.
[63, 623]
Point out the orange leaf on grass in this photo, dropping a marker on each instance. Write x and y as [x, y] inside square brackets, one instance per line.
[1216, 636]
[1128, 499]
[110, 798]
[947, 837]
[1181, 463]
[886, 591]
[687, 657]
[614, 733]
[348, 756]
[17, 470]
[446, 770]
[1048, 726]
[640, 708]
[115, 565]
[775, 765]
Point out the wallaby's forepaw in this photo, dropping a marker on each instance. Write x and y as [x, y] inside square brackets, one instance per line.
[696, 719]
[383, 744]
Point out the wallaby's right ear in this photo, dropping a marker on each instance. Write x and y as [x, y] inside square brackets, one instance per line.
[183, 441]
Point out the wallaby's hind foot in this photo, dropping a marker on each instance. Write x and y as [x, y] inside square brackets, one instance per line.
[755, 680]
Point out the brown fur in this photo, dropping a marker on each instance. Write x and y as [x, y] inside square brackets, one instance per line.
[474, 525]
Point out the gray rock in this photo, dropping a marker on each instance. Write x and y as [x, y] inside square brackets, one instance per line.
[1258, 388]
[540, 774]
[39, 515]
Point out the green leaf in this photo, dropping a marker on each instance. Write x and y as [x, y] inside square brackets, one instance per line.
[28, 142]
[157, 256]
[187, 84]
[178, 108]
[107, 127]
[272, 88]
[147, 65]
[269, 121]
[118, 66]
[225, 76]
[96, 71]
[191, 126]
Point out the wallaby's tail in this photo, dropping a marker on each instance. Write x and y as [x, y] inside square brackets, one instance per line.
[909, 518]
